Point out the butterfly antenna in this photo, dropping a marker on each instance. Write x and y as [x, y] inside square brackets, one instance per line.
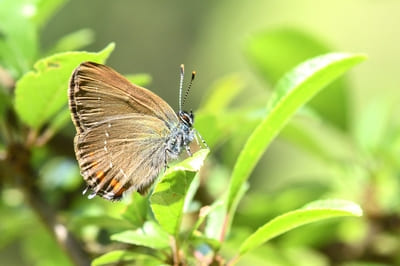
[190, 86]
[180, 86]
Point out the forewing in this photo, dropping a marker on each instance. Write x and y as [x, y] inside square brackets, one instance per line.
[97, 92]
[122, 153]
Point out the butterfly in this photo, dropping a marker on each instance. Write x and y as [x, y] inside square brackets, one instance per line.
[125, 134]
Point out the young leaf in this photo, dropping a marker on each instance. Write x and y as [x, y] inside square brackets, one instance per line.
[40, 94]
[168, 197]
[315, 211]
[293, 90]
[150, 235]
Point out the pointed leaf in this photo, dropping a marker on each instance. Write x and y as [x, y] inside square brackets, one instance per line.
[275, 52]
[315, 211]
[293, 90]
[168, 197]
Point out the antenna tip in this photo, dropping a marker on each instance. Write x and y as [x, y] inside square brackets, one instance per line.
[193, 74]
[182, 67]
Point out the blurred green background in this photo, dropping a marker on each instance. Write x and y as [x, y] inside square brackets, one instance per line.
[213, 38]
[208, 36]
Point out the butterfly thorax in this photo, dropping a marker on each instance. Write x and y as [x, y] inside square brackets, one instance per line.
[181, 136]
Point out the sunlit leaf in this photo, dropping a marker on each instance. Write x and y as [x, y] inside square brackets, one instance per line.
[41, 93]
[293, 90]
[19, 42]
[312, 212]
[275, 52]
[168, 197]
[42, 10]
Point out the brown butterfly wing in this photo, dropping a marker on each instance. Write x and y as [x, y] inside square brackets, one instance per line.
[121, 130]
[97, 91]
[124, 152]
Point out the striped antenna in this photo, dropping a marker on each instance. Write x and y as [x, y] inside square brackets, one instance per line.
[190, 86]
[180, 86]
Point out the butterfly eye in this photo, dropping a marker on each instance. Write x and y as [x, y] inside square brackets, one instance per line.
[186, 118]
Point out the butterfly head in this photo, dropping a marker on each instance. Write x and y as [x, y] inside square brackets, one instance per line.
[187, 118]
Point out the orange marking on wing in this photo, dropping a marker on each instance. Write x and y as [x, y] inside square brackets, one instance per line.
[115, 184]
[94, 164]
[119, 192]
[100, 175]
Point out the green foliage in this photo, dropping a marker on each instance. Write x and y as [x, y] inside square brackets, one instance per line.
[50, 78]
[312, 212]
[121, 256]
[209, 209]
[168, 197]
[292, 91]
[277, 51]
[149, 235]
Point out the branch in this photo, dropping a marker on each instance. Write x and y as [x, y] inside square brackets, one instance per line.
[18, 158]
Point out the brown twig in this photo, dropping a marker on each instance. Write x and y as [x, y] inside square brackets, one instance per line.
[18, 158]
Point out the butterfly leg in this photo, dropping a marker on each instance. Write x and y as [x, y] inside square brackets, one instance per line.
[198, 136]
[188, 150]
[165, 160]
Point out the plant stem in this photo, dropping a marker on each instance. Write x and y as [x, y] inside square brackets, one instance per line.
[18, 157]
[224, 227]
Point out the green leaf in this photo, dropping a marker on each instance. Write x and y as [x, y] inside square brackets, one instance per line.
[150, 235]
[315, 211]
[139, 79]
[293, 90]
[168, 197]
[275, 52]
[18, 36]
[118, 257]
[73, 41]
[371, 128]
[43, 10]
[191, 192]
[60, 120]
[136, 212]
[40, 94]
